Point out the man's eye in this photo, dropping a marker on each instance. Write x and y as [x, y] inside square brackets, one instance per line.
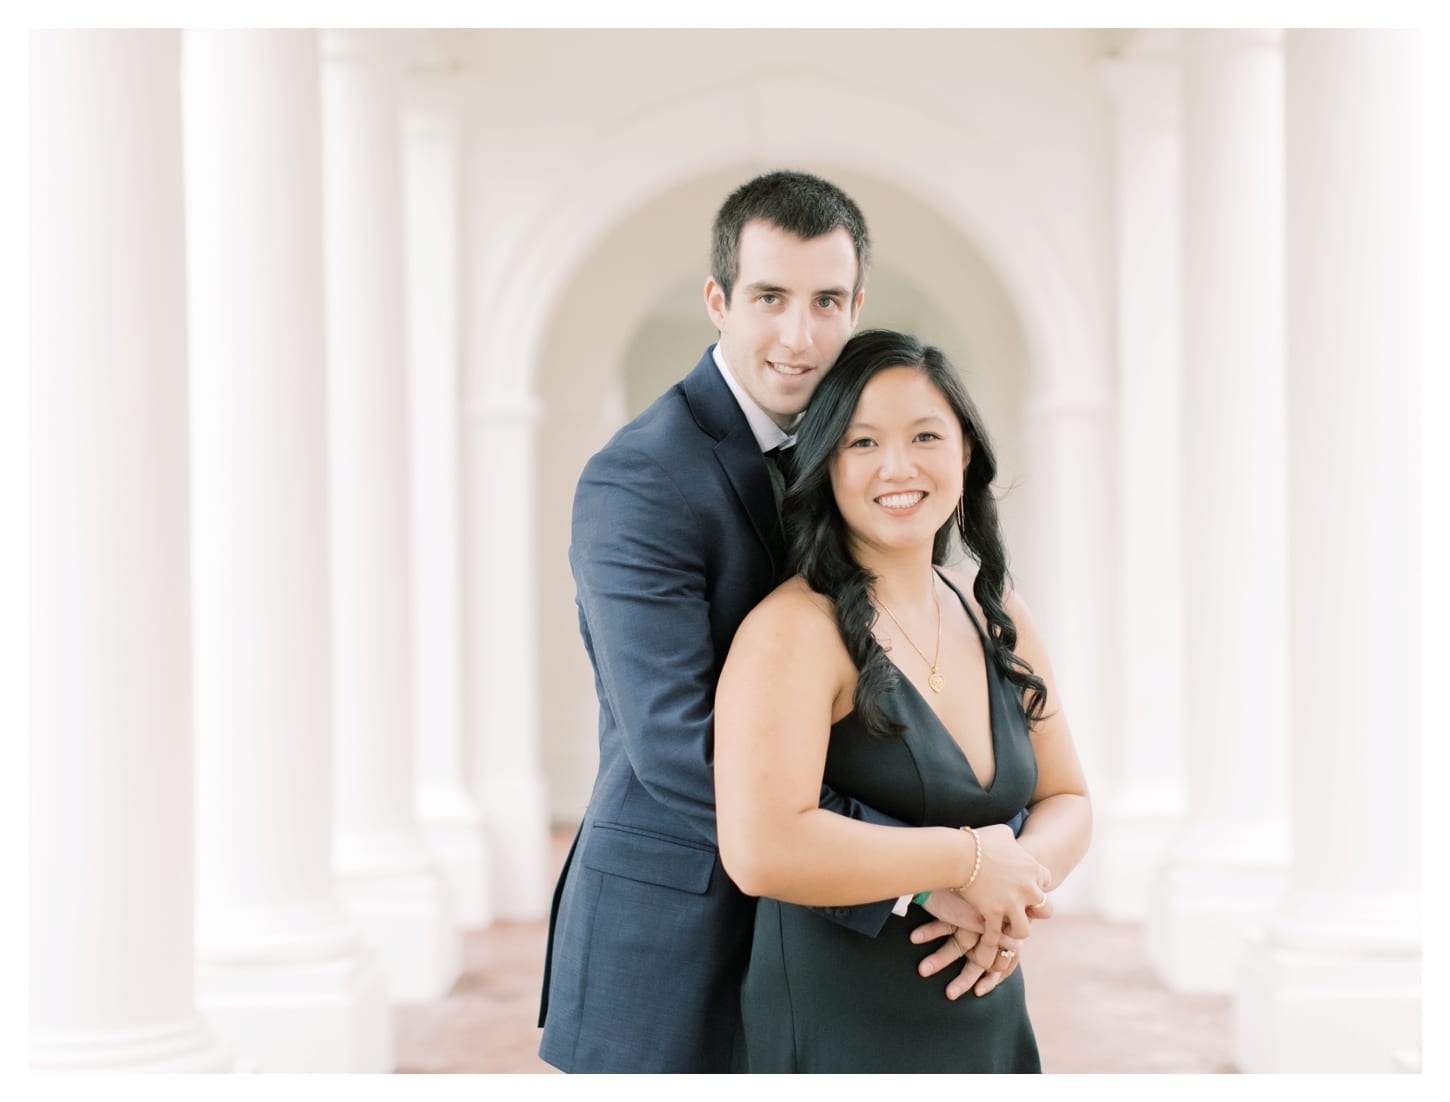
[825, 303]
[768, 300]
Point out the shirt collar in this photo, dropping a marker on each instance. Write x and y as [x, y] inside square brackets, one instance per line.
[767, 433]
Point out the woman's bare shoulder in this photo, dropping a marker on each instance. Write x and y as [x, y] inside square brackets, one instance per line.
[1016, 608]
[795, 609]
[789, 644]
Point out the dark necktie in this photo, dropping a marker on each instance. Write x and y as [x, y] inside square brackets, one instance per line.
[780, 463]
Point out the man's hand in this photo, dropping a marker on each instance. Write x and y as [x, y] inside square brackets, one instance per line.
[982, 963]
[998, 966]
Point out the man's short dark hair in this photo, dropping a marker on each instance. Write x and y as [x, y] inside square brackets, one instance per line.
[796, 202]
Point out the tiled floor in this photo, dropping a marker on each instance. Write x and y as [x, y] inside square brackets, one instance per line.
[1094, 1004]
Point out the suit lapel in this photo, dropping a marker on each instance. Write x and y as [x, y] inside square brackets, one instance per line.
[738, 453]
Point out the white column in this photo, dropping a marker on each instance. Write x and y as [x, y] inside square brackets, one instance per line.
[1335, 984]
[1067, 430]
[390, 882]
[1226, 865]
[446, 810]
[1140, 798]
[503, 678]
[283, 975]
[111, 848]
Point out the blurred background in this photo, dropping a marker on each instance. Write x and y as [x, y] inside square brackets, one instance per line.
[324, 326]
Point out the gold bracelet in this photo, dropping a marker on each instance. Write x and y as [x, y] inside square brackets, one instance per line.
[976, 865]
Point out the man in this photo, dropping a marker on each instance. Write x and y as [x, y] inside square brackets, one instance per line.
[676, 537]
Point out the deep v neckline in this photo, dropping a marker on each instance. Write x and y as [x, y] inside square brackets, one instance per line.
[991, 710]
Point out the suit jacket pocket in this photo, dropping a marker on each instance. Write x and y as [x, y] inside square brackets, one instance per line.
[649, 858]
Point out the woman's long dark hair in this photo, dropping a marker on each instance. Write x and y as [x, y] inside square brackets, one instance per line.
[820, 549]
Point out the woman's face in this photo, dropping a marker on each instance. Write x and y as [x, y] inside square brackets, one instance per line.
[897, 471]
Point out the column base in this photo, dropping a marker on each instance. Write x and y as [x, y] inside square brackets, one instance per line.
[1349, 1002]
[1407, 1061]
[516, 814]
[185, 1045]
[1130, 847]
[312, 1001]
[459, 842]
[1202, 906]
[408, 917]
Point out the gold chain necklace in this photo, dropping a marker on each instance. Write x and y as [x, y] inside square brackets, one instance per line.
[936, 681]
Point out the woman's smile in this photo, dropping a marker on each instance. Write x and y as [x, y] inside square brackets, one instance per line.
[901, 503]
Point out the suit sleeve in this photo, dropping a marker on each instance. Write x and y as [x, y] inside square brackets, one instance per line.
[639, 559]
[866, 918]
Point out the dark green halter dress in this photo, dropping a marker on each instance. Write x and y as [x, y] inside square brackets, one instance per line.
[821, 998]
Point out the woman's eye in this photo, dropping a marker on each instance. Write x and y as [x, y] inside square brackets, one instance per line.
[862, 442]
[927, 436]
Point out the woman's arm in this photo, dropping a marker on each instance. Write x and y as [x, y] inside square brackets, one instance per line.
[1060, 824]
[787, 678]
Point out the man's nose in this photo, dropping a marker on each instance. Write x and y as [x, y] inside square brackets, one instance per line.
[795, 328]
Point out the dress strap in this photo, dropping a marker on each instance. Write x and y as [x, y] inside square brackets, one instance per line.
[967, 605]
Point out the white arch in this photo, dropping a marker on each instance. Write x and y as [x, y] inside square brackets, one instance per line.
[970, 178]
[989, 191]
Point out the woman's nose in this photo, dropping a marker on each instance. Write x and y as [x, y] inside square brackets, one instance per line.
[896, 462]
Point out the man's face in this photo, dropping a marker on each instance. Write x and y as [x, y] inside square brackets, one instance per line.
[789, 314]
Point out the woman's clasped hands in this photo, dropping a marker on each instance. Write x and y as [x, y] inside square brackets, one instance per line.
[986, 922]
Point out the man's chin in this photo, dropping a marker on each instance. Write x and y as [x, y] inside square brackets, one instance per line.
[791, 401]
[786, 414]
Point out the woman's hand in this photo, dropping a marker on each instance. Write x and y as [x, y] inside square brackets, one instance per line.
[969, 931]
[950, 909]
[1009, 881]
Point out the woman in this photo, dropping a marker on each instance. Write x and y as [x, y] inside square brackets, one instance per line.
[920, 693]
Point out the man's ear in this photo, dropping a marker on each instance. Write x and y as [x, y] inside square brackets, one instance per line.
[856, 306]
[715, 304]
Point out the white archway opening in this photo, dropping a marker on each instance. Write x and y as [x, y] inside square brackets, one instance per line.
[630, 321]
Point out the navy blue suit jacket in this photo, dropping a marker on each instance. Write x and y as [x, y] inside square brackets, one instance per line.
[675, 539]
